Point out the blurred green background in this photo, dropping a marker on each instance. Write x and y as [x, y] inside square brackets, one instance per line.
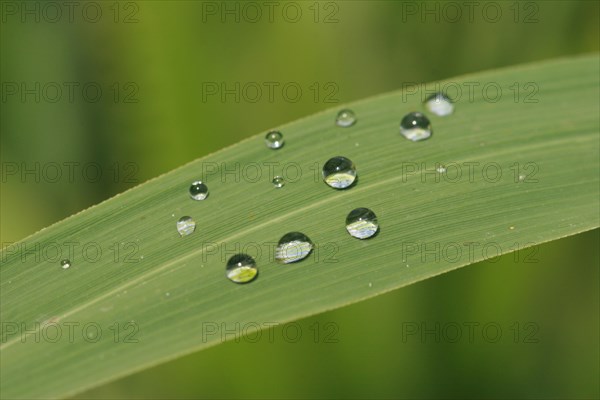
[153, 62]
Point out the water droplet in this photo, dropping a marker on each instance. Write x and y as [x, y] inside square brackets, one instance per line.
[370, 284]
[362, 223]
[441, 169]
[65, 264]
[198, 190]
[439, 104]
[345, 118]
[292, 247]
[339, 172]
[186, 226]
[512, 228]
[278, 182]
[274, 140]
[241, 268]
[521, 178]
[415, 126]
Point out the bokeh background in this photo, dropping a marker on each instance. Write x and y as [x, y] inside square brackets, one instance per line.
[154, 61]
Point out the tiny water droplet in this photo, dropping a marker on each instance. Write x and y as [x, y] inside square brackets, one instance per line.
[370, 284]
[241, 268]
[345, 118]
[415, 126]
[65, 264]
[198, 190]
[292, 247]
[441, 169]
[439, 104]
[521, 178]
[512, 228]
[339, 172]
[167, 294]
[278, 182]
[274, 140]
[362, 223]
[186, 226]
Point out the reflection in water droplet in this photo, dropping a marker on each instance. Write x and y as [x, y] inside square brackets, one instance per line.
[292, 247]
[345, 118]
[186, 226]
[274, 140]
[278, 182]
[415, 126]
[439, 104]
[198, 190]
[65, 264]
[339, 172]
[241, 268]
[362, 223]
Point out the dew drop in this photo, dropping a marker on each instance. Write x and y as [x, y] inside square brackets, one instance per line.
[186, 226]
[415, 126]
[292, 247]
[278, 182]
[241, 268]
[439, 104]
[339, 172]
[198, 190]
[274, 140]
[65, 264]
[345, 118]
[362, 223]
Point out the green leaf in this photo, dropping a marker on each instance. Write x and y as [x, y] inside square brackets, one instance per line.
[156, 296]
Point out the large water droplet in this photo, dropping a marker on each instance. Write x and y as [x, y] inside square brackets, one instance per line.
[415, 126]
[198, 190]
[274, 140]
[241, 268]
[345, 118]
[339, 172]
[439, 104]
[362, 223]
[292, 247]
[186, 226]
[65, 264]
[278, 182]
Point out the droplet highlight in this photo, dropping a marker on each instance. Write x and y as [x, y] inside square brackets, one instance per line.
[415, 126]
[241, 268]
[65, 264]
[198, 190]
[339, 172]
[274, 140]
[278, 182]
[345, 118]
[293, 247]
[186, 226]
[439, 104]
[362, 223]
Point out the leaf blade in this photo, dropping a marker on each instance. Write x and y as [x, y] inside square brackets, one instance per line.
[559, 134]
